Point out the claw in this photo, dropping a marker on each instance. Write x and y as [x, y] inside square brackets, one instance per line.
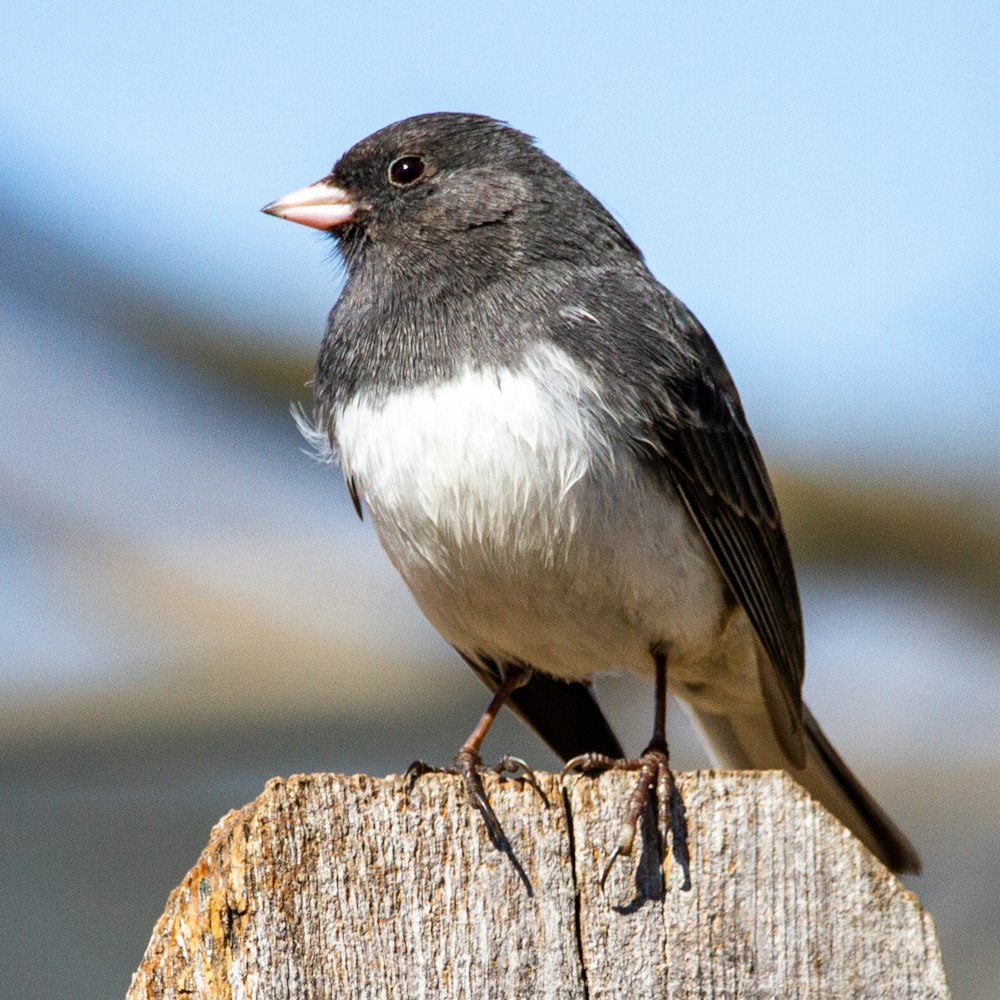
[416, 770]
[515, 766]
[590, 763]
[626, 839]
[468, 765]
[477, 792]
[611, 862]
[655, 782]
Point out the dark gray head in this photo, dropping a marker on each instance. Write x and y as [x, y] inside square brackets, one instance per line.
[460, 237]
[461, 188]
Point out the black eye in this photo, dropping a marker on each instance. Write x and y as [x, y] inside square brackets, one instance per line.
[406, 170]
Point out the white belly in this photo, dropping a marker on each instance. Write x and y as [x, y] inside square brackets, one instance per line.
[522, 533]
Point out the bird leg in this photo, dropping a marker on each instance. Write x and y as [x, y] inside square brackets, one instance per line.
[469, 765]
[655, 788]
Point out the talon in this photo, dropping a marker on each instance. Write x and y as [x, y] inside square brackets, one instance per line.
[468, 765]
[513, 765]
[626, 839]
[477, 791]
[611, 863]
[588, 763]
[655, 785]
[416, 770]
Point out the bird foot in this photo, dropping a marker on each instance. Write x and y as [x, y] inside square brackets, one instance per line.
[655, 789]
[468, 765]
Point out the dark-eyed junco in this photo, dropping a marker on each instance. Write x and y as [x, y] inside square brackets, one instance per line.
[557, 461]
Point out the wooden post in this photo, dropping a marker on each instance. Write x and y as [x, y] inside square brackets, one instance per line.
[337, 887]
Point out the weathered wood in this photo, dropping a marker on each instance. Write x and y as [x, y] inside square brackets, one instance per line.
[785, 902]
[332, 886]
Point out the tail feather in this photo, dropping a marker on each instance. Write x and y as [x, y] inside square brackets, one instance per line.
[748, 741]
[565, 714]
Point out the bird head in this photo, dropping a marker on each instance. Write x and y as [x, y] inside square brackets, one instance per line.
[454, 185]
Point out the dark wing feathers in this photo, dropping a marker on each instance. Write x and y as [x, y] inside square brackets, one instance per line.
[684, 421]
[703, 442]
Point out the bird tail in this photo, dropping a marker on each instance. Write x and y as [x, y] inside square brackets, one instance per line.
[748, 741]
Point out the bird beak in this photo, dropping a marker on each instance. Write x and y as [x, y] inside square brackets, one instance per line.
[322, 205]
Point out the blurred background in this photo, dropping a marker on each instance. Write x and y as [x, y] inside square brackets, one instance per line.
[189, 605]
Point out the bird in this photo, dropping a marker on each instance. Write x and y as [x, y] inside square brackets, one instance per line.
[557, 462]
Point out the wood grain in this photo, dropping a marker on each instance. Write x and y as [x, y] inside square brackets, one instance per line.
[332, 886]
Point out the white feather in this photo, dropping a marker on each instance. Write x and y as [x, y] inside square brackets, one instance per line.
[523, 532]
[320, 446]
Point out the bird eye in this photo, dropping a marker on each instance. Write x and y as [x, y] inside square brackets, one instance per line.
[406, 170]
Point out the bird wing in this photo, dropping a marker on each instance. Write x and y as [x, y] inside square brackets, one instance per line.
[684, 422]
[703, 443]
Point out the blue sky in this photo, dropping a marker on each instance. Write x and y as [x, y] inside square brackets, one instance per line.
[819, 183]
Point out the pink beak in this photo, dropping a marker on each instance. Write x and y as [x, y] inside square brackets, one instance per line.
[322, 205]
